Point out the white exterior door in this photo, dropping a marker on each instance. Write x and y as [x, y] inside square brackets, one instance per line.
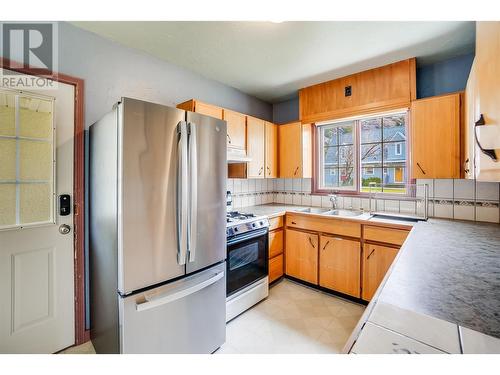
[36, 259]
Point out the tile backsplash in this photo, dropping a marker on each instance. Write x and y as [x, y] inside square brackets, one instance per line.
[448, 198]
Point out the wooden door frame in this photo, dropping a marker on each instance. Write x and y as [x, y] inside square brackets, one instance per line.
[81, 335]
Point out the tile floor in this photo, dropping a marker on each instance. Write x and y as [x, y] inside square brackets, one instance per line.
[293, 319]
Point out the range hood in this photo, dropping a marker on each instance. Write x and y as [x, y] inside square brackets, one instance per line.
[237, 156]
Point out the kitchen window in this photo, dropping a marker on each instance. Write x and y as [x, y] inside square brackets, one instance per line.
[367, 151]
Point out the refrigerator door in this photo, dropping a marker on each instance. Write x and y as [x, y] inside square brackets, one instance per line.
[185, 316]
[148, 164]
[207, 195]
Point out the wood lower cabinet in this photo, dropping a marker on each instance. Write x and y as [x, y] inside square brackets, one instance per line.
[340, 264]
[435, 141]
[376, 262]
[301, 255]
[275, 243]
[275, 268]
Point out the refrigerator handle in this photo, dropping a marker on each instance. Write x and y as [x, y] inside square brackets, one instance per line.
[193, 190]
[181, 195]
[155, 301]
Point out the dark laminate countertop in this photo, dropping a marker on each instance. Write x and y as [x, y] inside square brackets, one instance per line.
[449, 270]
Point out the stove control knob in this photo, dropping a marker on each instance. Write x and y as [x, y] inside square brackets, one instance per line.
[253, 225]
[261, 223]
[235, 229]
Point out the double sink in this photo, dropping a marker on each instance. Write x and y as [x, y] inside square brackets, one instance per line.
[327, 212]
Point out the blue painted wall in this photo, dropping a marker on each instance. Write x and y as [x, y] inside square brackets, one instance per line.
[443, 77]
[286, 111]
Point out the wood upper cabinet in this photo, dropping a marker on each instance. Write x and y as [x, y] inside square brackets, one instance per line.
[376, 262]
[486, 95]
[271, 150]
[202, 108]
[236, 129]
[301, 255]
[386, 87]
[435, 140]
[256, 147]
[295, 150]
[340, 265]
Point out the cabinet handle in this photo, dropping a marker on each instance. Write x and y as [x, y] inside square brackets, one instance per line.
[268, 170]
[311, 242]
[418, 165]
[260, 170]
[296, 170]
[228, 138]
[490, 153]
[466, 163]
[369, 255]
[294, 223]
[326, 244]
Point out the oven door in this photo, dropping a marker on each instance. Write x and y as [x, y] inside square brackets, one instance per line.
[246, 259]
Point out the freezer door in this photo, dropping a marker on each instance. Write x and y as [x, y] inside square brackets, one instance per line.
[207, 199]
[185, 316]
[148, 163]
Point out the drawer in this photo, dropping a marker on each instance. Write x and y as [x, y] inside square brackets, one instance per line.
[275, 243]
[326, 225]
[385, 235]
[275, 268]
[276, 222]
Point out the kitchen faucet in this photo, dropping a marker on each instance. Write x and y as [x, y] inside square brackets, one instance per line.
[333, 199]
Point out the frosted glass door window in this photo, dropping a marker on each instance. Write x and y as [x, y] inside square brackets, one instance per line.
[27, 160]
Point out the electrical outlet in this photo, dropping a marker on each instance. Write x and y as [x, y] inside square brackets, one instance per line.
[348, 91]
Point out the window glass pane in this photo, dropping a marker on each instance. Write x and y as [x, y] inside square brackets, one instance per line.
[7, 117]
[330, 136]
[35, 203]
[7, 159]
[35, 160]
[371, 130]
[346, 156]
[7, 204]
[346, 133]
[395, 128]
[346, 177]
[35, 124]
[371, 175]
[331, 177]
[394, 180]
[371, 155]
[331, 155]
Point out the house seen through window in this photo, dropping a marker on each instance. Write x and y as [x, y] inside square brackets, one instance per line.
[353, 154]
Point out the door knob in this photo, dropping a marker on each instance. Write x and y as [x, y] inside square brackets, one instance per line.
[64, 229]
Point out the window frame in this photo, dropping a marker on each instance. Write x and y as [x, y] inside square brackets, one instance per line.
[316, 175]
[52, 140]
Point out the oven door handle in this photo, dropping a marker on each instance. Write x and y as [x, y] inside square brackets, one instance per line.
[247, 236]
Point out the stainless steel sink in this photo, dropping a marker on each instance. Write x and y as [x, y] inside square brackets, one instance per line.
[312, 210]
[347, 213]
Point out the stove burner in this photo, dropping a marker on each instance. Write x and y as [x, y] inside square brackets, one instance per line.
[238, 216]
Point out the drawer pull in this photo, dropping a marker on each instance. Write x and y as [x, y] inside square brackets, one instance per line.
[294, 223]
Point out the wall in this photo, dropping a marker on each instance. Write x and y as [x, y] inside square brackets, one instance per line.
[443, 77]
[286, 111]
[111, 71]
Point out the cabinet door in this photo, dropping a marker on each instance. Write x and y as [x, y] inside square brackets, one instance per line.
[236, 129]
[275, 268]
[208, 110]
[340, 265]
[255, 147]
[436, 137]
[290, 150]
[271, 154]
[302, 255]
[275, 243]
[376, 261]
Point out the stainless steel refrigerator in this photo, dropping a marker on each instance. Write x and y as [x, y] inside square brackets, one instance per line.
[157, 230]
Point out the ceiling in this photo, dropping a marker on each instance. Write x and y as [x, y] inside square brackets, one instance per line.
[271, 61]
